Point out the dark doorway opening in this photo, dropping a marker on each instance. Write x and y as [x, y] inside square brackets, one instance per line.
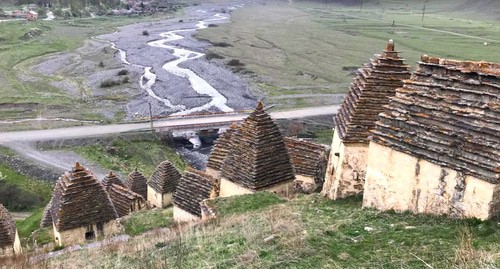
[90, 235]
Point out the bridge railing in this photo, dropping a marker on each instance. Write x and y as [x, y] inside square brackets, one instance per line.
[193, 115]
[197, 126]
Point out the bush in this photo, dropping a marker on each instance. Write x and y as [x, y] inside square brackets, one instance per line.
[101, 64]
[123, 72]
[109, 83]
[58, 12]
[234, 62]
[14, 198]
[145, 32]
[125, 80]
[212, 25]
[222, 44]
[212, 55]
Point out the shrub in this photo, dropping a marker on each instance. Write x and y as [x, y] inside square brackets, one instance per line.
[123, 72]
[109, 83]
[14, 198]
[212, 25]
[101, 64]
[125, 80]
[234, 62]
[212, 55]
[145, 32]
[222, 44]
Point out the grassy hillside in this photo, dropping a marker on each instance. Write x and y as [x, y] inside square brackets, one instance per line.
[262, 231]
[301, 51]
[123, 155]
[28, 94]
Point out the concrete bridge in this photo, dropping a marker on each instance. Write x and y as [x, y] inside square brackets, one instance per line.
[185, 123]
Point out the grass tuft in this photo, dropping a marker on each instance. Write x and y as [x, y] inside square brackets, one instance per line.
[139, 222]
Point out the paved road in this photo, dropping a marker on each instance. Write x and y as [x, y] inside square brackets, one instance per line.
[98, 130]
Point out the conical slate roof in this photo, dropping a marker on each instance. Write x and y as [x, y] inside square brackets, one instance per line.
[111, 178]
[165, 178]
[7, 228]
[194, 187]
[448, 113]
[137, 183]
[220, 149]
[47, 216]
[369, 92]
[308, 158]
[80, 200]
[258, 157]
[125, 200]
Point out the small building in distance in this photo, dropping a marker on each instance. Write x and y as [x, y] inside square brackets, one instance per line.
[436, 146]
[309, 161]
[110, 179]
[194, 187]
[125, 201]
[162, 184]
[31, 16]
[258, 159]
[371, 89]
[9, 238]
[220, 150]
[137, 183]
[80, 209]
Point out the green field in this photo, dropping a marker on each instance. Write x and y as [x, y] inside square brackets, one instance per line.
[123, 155]
[263, 231]
[27, 94]
[312, 48]
[142, 221]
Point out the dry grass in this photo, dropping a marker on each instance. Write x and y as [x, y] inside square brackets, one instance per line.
[468, 257]
[304, 232]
